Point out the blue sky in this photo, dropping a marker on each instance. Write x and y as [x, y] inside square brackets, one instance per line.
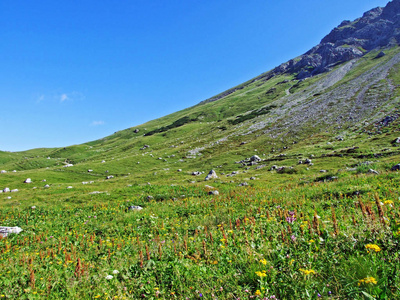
[75, 71]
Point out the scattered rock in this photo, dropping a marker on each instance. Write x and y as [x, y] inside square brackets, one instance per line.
[68, 165]
[243, 184]
[372, 171]
[149, 197]
[69, 187]
[28, 180]
[308, 161]
[212, 174]
[179, 170]
[255, 158]
[110, 177]
[46, 186]
[95, 192]
[6, 190]
[196, 173]
[252, 178]
[396, 167]
[214, 193]
[44, 180]
[90, 170]
[396, 141]
[5, 231]
[136, 130]
[135, 207]
[3, 171]
[103, 161]
[33, 207]
[14, 191]
[323, 171]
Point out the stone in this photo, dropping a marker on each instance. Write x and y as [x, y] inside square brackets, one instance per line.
[149, 197]
[103, 161]
[214, 193]
[211, 175]
[14, 191]
[69, 187]
[179, 170]
[6, 190]
[3, 171]
[28, 180]
[323, 171]
[252, 178]
[196, 173]
[90, 170]
[68, 165]
[110, 177]
[135, 207]
[33, 207]
[255, 158]
[396, 167]
[44, 180]
[372, 171]
[46, 186]
[136, 130]
[5, 231]
[243, 184]
[95, 192]
[396, 141]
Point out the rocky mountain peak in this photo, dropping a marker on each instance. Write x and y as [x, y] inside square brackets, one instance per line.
[377, 28]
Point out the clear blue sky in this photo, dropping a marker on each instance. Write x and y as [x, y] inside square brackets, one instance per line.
[75, 71]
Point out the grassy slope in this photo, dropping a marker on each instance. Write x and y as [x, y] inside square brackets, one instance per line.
[181, 203]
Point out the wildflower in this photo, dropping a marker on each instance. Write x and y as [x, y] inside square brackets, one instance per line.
[290, 219]
[388, 202]
[311, 241]
[263, 261]
[367, 280]
[293, 237]
[109, 277]
[115, 272]
[374, 247]
[257, 293]
[307, 272]
[261, 274]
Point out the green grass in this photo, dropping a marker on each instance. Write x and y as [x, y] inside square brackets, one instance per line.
[188, 244]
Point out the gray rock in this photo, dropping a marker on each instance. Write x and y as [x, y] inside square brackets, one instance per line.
[3, 171]
[149, 198]
[243, 184]
[5, 231]
[255, 158]
[28, 180]
[323, 171]
[14, 191]
[135, 207]
[69, 187]
[211, 175]
[179, 170]
[136, 130]
[46, 186]
[380, 54]
[396, 167]
[372, 171]
[110, 177]
[252, 178]
[90, 170]
[196, 173]
[214, 193]
[6, 190]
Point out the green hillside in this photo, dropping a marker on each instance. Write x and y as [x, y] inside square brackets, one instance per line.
[313, 215]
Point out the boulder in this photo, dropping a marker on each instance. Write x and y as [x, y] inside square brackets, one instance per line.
[212, 174]
[6, 190]
[5, 231]
[214, 193]
[396, 167]
[135, 207]
[28, 180]
[372, 171]
[255, 158]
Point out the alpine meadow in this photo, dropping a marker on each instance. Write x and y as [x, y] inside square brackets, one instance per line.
[286, 186]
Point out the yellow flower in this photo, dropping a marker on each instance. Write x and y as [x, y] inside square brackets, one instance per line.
[374, 247]
[307, 272]
[388, 202]
[263, 261]
[261, 274]
[311, 241]
[367, 280]
[257, 293]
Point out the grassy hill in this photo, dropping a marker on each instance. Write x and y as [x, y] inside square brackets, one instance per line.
[278, 227]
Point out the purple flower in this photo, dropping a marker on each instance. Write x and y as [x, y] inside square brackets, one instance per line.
[291, 213]
[201, 295]
[293, 237]
[319, 295]
[290, 219]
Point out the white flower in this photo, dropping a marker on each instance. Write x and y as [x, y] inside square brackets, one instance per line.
[109, 277]
[115, 272]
